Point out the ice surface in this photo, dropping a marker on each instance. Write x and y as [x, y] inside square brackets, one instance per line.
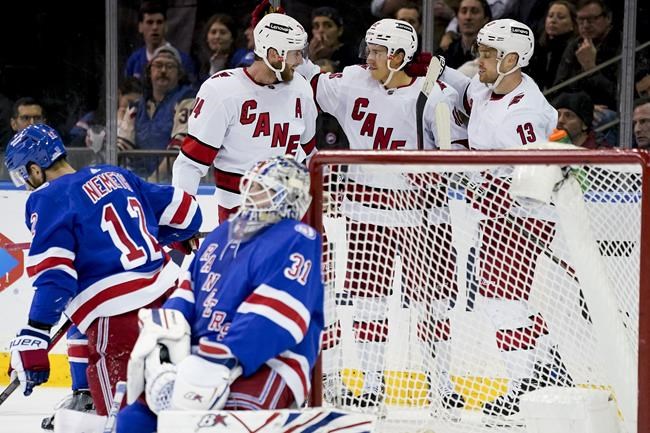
[20, 414]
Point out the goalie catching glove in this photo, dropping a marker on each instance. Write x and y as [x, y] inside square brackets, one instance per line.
[158, 328]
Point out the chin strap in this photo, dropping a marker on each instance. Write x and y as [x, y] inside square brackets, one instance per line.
[277, 71]
[501, 76]
[392, 71]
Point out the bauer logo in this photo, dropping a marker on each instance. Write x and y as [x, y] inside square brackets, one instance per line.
[278, 28]
[519, 30]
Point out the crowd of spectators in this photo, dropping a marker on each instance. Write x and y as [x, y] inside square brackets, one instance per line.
[166, 63]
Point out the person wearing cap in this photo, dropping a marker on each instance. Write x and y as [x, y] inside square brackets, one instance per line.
[158, 120]
[152, 25]
[575, 116]
[326, 41]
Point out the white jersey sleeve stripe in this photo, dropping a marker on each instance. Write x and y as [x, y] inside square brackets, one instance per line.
[294, 369]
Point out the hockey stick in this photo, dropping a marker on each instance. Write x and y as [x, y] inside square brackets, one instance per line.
[120, 392]
[433, 71]
[11, 246]
[55, 339]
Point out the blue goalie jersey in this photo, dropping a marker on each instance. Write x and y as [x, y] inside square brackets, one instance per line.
[96, 248]
[260, 301]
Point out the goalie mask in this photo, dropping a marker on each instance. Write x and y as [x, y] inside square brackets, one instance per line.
[274, 189]
[282, 33]
[395, 35]
[37, 144]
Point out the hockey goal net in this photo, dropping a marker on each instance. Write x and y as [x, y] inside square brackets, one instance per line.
[457, 282]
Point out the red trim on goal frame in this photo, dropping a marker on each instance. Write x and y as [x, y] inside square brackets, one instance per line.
[641, 158]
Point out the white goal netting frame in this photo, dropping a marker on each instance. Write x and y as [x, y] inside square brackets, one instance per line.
[578, 257]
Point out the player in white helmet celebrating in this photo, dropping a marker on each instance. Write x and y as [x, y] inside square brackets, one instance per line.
[242, 116]
[375, 105]
[508, 111]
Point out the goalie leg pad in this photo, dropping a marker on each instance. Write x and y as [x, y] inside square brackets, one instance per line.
[74, 421]
[202, 385]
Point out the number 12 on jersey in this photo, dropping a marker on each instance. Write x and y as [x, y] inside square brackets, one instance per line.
[133, 255]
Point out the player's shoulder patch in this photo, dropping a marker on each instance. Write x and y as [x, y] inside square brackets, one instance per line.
[305, 230]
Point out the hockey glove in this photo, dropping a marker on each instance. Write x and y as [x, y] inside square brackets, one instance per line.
[418, 66]
[188, 246]
[262, 9]
[158, 327]
[29, 361]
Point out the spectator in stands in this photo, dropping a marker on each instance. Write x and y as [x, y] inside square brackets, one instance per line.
[327, 39]
[218, 50]
[472, 15]
[529, 12]
[575, 116]
[152, 26]
[27, 111]
[641, 119]
[560, 28]
[412, 14]
[89, 130]
[443, 13]
[159, 119]
[497, 9]
[597, 43]
[642, 82]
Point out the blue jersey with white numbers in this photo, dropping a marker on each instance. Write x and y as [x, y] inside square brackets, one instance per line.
[260, 301]
[96, 248]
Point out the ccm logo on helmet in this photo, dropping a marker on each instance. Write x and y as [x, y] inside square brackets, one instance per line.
[519, 30]
[278, 28]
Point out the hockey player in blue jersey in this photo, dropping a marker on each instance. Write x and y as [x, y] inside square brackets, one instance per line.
[249, 310]
[95, 256]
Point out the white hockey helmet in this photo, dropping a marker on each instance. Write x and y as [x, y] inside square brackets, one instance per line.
[280, 32]
[274, 189]
[508, 36]
[394, 35]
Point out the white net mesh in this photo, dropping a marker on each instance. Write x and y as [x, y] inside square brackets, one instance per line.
[448, 297]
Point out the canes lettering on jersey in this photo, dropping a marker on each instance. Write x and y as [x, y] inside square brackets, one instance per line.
[369, 128]
[236, 122]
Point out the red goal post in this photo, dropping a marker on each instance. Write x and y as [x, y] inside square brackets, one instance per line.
[337, 179]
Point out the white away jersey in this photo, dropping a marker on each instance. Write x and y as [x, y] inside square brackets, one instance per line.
[237, 122]
[376, 118]
[511, 121]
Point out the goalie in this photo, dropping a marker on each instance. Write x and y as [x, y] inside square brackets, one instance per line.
[251, 305]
